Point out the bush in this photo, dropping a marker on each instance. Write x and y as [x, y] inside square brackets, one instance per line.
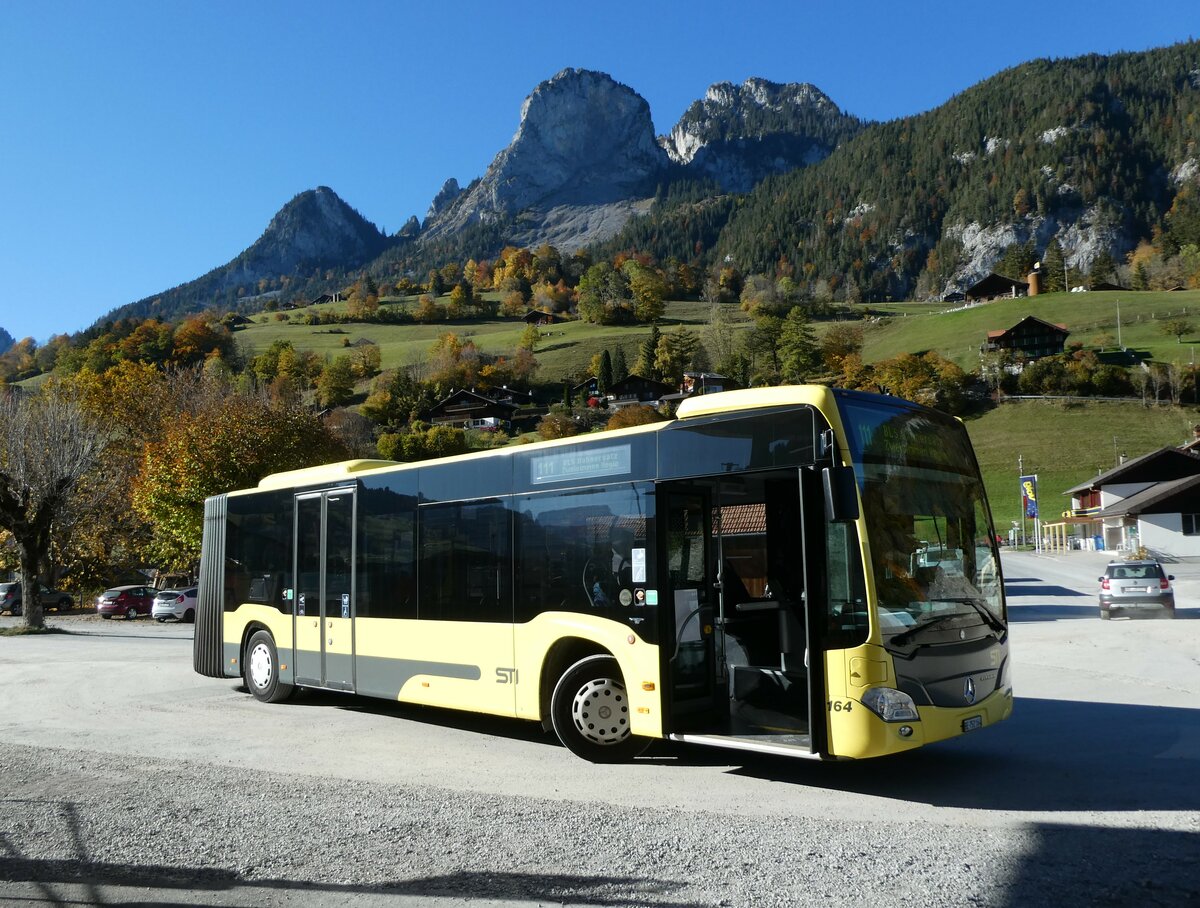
[557, 425]
[637, 415]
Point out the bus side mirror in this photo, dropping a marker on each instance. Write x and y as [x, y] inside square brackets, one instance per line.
[841, 494]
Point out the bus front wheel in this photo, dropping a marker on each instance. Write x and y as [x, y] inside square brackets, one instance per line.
[590, 712]
[260, 669]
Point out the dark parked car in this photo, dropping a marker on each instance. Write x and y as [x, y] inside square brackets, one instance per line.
[10, 598]
[1141, 587]
[129, 601]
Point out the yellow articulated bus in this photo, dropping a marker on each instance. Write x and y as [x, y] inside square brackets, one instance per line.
[799, 570]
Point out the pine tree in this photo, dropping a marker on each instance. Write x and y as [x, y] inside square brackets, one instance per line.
[620, 369]
[604, 380]
[646, 353]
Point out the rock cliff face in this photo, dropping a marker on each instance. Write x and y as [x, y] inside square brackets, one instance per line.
[738, 135]
[585, 144]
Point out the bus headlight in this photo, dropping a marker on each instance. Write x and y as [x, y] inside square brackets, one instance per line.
[890, 705]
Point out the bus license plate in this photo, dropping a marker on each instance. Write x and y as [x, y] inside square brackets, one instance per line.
[972, 723]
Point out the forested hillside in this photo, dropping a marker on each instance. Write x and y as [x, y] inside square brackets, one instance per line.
[1099, 149]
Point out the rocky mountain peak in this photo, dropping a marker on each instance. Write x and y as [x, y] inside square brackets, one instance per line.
[314, 228]
[446, 195]
[584, 139]
[739, 134]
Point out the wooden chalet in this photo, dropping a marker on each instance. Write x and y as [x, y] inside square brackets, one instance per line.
[695, 383]
[586, 390]
[634, 389]
[707, 383]
[541, 319]
[471, 410]
[1031, 337]
[996, 286]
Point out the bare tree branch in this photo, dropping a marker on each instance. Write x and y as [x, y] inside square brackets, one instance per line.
[47, 445]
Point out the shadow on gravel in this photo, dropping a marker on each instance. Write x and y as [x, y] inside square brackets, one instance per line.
[1052, 755]
[479, 723]
[1091, 865]
[183, 884]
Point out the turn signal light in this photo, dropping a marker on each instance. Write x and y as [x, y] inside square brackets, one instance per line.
[647, 685]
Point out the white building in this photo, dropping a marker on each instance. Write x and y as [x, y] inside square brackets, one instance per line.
[1151, 501]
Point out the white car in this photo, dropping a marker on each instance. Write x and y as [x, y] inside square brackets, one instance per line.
[178, 604]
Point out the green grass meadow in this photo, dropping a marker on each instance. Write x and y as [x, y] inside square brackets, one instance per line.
[565, 349]
[1064, 443]
[957, 333]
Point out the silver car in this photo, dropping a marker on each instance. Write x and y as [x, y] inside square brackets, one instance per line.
[178, 604]
[1140, 587]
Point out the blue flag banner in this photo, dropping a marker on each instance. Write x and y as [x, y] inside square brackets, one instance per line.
[1029, 496]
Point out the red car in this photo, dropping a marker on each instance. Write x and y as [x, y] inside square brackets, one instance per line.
[129, 601]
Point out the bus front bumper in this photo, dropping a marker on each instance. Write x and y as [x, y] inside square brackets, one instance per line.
[860, 733]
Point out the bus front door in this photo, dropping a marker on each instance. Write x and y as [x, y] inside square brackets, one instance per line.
[688, 616]
[324, 608]
[763, 635]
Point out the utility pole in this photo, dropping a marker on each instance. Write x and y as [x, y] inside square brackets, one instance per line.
[1119, 344]
[1020, 476]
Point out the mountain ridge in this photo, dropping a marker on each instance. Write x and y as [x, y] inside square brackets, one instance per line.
[1091, 153]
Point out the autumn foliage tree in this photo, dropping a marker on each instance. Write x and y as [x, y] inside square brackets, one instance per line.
[228, 441]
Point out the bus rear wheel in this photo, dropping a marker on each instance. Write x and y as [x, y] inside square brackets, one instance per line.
[590, 712]
[260, 669]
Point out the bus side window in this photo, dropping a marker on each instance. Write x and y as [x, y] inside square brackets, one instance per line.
[465, 562]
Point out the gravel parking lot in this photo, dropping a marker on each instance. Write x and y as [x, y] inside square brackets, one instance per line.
[129, 779]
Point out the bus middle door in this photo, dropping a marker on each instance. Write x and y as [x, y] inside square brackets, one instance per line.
[324, 613]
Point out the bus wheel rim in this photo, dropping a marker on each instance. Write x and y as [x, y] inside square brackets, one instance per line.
[260, 666]
[600, 711]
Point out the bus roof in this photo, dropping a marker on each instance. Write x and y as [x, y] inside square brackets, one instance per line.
[703, 405]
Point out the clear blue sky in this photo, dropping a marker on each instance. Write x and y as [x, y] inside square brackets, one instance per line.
[144, 143]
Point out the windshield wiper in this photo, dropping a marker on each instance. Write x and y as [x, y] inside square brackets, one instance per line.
[905, 636]
[984, 612]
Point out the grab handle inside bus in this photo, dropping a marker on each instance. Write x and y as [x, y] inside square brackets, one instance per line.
[841, 494]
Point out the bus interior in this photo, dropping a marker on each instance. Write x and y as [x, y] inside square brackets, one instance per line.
[737, 635]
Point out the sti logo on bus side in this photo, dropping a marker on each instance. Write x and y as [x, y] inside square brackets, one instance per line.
[506, 676]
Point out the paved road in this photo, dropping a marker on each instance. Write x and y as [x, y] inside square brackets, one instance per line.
[1088, 795]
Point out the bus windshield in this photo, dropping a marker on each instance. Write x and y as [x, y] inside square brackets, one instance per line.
[932, 547]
